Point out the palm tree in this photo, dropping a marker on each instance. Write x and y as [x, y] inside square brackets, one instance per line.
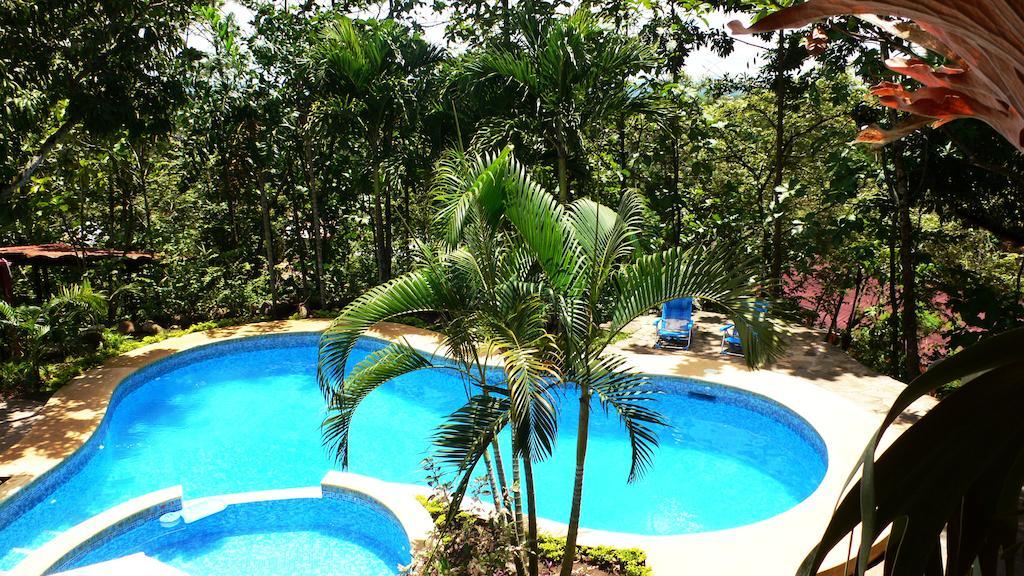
[565, 74]
[476, 284]
[568, 270]
[367, 76]
[34, 332]
[72, 310]
[591, 275]
[27, 332]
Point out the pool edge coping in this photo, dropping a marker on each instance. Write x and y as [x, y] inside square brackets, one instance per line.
[87, 532]
[76, 411]
[403, 508]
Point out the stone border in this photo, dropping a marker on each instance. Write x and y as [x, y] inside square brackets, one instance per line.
[775, 545]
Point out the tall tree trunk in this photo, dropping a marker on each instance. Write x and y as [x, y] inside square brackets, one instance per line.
[517, 508]
[140, 159]
[677, 209]
[268, 239]
[26, 172]
[834, 323]
[506, 512]
[899, 187]
[127, 215]
[531, 517]
[582, 435]
[620, 128]
[563, 176]
[506, 508]
[300, 244]
[377, 215]
[775, 269]
[226, 181]
[847, 339]
[894, 303]
[908, 319]
[314, 200]
[111, 212]
[499, 467]
[389, 231]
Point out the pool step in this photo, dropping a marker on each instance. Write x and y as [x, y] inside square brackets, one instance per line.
[131, 565]
[193, 510]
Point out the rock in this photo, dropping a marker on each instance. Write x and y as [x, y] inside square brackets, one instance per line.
[126, 327]
[302, 312]
[92, 338]
[150, 328]
[282, 310]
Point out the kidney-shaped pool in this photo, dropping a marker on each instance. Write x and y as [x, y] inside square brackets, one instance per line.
[245, 415]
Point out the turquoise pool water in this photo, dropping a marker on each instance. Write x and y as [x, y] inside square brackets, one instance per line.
[246, 415]
[307, 536]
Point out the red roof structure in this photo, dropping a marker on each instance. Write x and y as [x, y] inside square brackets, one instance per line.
[66, 254]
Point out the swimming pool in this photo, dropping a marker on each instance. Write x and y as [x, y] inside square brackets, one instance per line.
[245, 415]
[337, 534]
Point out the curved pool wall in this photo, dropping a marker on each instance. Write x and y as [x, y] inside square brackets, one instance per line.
[341, 532]
[730, 457]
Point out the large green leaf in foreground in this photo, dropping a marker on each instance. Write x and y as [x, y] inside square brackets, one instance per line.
[958, 471]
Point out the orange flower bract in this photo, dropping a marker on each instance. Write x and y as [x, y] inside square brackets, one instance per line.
[985, 40]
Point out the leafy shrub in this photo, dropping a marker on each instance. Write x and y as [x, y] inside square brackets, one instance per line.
[623, 561]
[472, 534]
[52, 375]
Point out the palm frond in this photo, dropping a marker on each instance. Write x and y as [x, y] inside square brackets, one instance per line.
[715, 275]
[8, 313]
[418, 291]
[629, 394]
[377, 369]
[530, 368]
[606, 237]
[575, 316]
[539, 219]
[463, 185]
[82, 297]
[950, 470]
[465, 435]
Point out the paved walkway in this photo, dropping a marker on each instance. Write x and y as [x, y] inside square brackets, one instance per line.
[16, 417]
[808, 357]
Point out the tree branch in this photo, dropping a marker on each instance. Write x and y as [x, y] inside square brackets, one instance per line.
[974, 160]
[33, 164]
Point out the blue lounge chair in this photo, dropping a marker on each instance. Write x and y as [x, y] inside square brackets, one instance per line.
[675, 327]
[731, 344]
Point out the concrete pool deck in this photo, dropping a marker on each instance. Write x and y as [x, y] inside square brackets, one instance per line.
[842, 400]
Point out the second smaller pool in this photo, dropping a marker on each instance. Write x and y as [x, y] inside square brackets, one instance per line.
[337, 534]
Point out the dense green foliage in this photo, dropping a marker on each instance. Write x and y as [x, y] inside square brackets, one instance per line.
[284, 159]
